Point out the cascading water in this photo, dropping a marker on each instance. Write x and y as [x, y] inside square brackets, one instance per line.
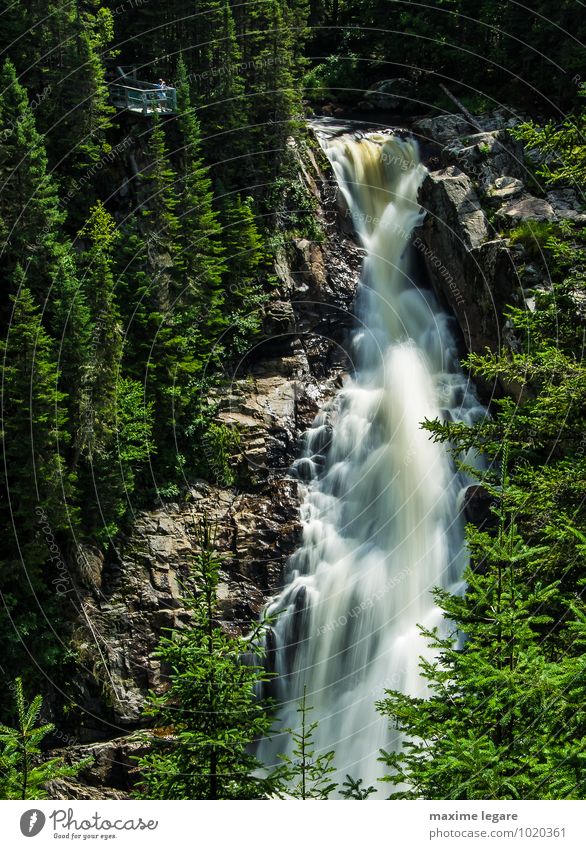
[381, 519]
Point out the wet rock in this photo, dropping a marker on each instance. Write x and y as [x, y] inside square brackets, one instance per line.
[110, 773]
[90, 564]
[279, 318]
[456, 205]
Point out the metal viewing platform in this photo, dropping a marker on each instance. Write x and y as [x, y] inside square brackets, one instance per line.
[139, 97]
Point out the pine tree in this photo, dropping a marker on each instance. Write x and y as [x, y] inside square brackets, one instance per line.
[245, 251]
[101, 474]
[220, 92]
[77, 116]
[29, 209]
[247, 262]
[58, 50]
[110, 418]
[207, 719]
[304, 774]
[101, 378]
[69, 318]
[505, 717]
[24, 773]
[200, 229]
[180, 286]
[34, 434]
[267, 52]
[159, 210]
[491, 727]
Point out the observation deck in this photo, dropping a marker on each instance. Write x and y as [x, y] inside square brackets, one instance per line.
[139, 97]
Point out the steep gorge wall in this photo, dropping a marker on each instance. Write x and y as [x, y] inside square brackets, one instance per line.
[479, 187]
[134, 592]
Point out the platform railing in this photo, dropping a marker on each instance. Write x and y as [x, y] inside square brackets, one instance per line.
[143, 98]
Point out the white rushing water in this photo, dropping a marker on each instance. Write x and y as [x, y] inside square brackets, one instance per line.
[381, 516]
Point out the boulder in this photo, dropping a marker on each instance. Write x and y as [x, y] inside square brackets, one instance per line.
[487, 157]
[392, 95]
[527, 207]
[108, 774]
[90, 564]
[501, 118]
[443, 128]
[449, 197]
[468, 268]
[567, 205]
[505, 188]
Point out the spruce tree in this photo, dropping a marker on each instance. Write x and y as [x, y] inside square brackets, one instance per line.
[202, 251]
[274, 101]
[247, 262]
[305, 774]
[78, 115]
[97, 437]
[29, 209]
[24, 772]
[34, 434]
[219, 91]
[505, 717]
[209, 716]
[500, 715]
[175, 338]
[102, 369]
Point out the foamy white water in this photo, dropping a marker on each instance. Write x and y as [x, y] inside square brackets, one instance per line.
[381, 518]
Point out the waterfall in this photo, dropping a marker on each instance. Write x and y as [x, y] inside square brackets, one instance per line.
[381, 515]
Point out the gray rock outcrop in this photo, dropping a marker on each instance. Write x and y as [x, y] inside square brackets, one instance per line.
[468, 267]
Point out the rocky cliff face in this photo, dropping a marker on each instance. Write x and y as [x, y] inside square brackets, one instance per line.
[477, 188]
[135, 592]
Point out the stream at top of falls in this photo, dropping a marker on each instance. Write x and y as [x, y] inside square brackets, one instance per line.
[382, 512]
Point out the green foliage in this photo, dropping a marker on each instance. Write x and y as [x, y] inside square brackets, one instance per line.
[500, 721]
[304, 774]
[534, 236]
[34, 430]
[209, 715]
[220, 443]
[24, 772]
[505, 717]
[338, 78]
[132, 305]
[294, 207]
[354, 790]
[101, 370]
[494, 51]
[29, 213]
[562, 147]
[59, 50]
